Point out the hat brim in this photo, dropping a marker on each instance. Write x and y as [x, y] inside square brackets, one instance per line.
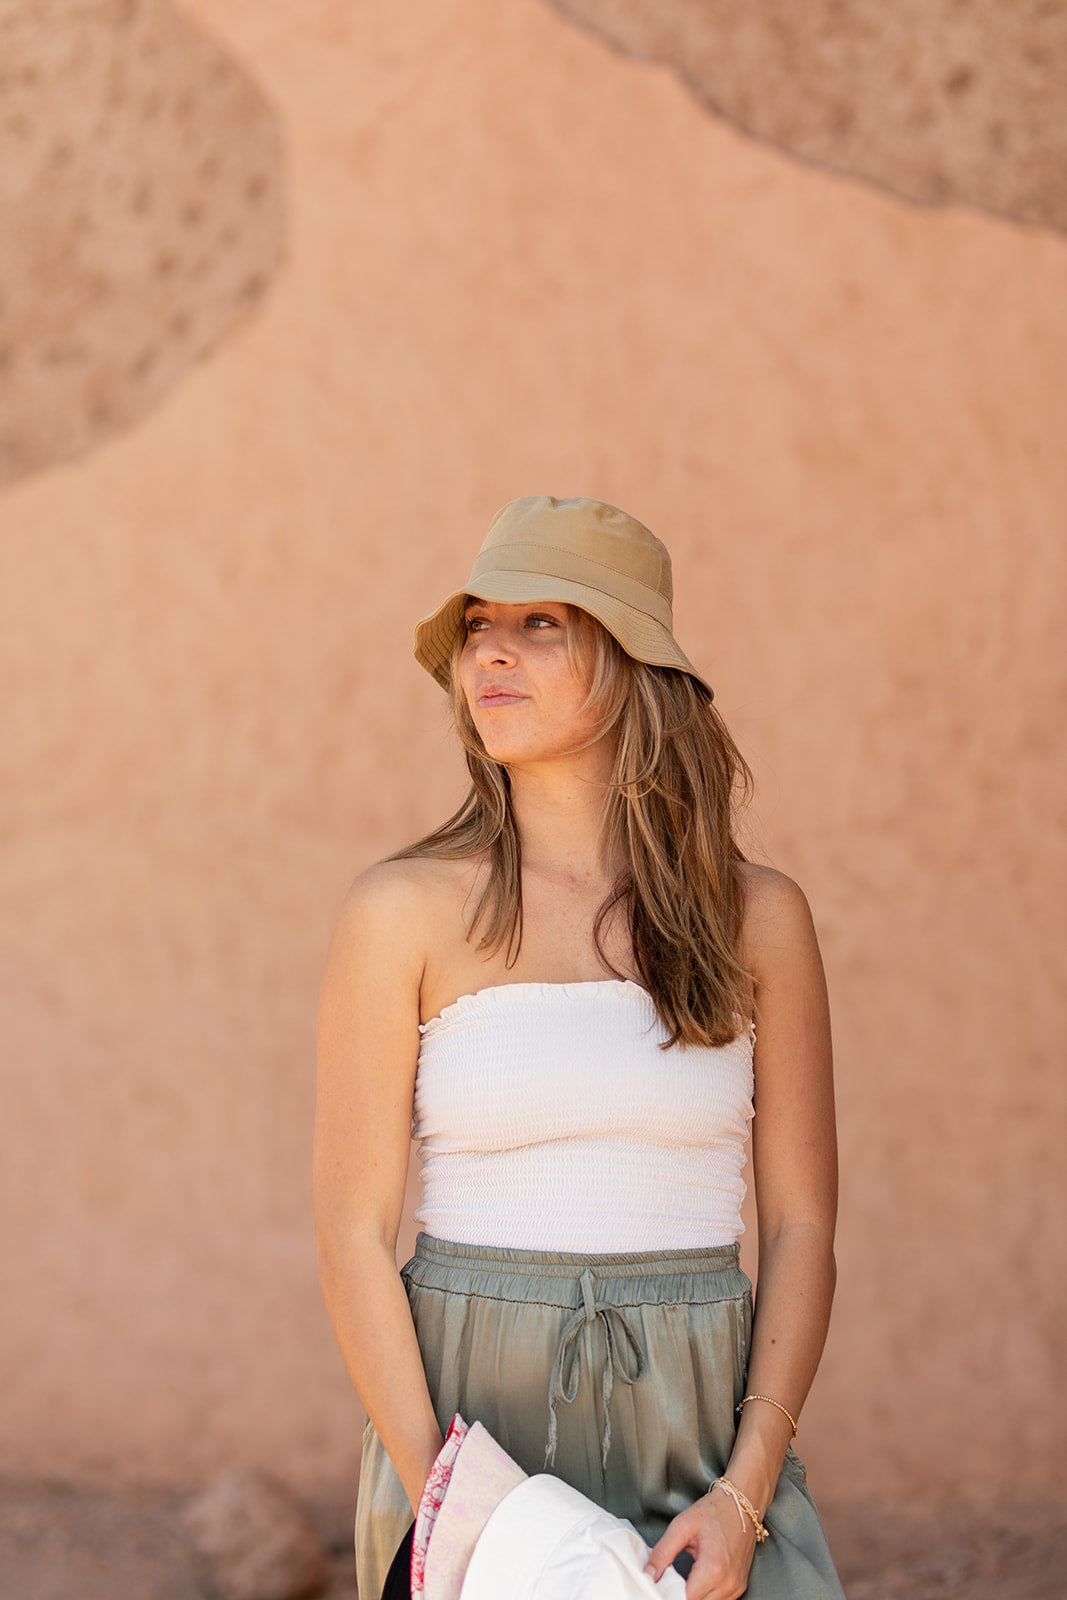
[640, 635]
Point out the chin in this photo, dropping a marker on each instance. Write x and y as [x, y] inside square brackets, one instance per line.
[502, 753]
[518, 756]
[498, 747]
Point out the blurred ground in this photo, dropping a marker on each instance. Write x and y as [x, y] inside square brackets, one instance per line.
[61, 1543]
[992, 1552]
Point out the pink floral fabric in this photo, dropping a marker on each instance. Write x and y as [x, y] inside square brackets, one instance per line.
[482, 1476]
[431, 1500]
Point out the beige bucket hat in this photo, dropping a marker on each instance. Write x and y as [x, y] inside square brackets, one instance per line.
[581, 552]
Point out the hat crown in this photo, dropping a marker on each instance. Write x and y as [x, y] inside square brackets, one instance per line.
[590, 529]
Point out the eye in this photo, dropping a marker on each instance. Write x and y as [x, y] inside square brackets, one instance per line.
[541, 619]
[473, 624]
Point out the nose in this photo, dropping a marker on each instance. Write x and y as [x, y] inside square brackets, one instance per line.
[494, 645]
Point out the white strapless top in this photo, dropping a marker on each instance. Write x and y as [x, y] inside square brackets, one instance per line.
[549, 1119]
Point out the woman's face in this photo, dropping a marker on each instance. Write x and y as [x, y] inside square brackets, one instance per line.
[516, 675]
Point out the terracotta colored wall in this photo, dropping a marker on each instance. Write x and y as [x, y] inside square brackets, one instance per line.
[940, 100]
[140, 187]
[518, 261]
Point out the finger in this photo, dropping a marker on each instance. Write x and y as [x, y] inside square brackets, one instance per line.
[670, 1544]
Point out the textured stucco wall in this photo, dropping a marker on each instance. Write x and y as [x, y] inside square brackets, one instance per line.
[941, 100]
[518, 261]
[140, 213]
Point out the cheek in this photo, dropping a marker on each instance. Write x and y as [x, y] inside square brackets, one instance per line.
[573, 685]
[464, 670]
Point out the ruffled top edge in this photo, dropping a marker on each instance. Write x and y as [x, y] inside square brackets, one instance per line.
[502, 994]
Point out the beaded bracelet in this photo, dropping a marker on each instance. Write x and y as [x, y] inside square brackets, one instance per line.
[770, 1402]
[744, 1507]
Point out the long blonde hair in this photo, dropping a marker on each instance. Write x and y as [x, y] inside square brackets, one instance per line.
[669, 816]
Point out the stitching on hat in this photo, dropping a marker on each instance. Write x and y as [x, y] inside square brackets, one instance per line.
[536, 544]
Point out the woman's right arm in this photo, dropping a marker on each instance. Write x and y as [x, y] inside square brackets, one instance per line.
[368, 1052]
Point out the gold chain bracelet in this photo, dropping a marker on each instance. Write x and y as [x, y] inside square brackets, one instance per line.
[770, 1402]
[744, 1505]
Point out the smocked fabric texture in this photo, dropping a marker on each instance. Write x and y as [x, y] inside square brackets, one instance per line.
[513, 1338]
[549, 1118]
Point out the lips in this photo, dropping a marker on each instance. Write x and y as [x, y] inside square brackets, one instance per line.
[495, 695]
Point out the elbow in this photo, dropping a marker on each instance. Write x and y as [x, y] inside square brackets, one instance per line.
[326, 1258]
[813, 1236]
[345, 1252]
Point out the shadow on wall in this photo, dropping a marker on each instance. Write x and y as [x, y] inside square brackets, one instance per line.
[938, 100]
[140, 209]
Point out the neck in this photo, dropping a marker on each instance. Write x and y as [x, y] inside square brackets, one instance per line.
[559, 809]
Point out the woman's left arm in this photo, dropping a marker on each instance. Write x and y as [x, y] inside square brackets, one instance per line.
[794, 1156]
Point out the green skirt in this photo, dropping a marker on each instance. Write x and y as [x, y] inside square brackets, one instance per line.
[619, 1373]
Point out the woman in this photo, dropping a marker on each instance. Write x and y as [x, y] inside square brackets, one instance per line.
[572, 992]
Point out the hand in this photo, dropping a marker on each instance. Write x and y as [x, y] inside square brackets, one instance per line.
[721, 1547]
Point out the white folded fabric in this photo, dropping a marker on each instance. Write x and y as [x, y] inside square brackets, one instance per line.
[546, 1541]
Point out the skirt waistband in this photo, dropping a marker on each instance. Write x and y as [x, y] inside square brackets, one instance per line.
[584, 1291]
[562, 1264]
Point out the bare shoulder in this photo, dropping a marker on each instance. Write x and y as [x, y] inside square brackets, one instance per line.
[770, 894]
[391, 901]
[777, 921]
[392, 889]
[394, 911]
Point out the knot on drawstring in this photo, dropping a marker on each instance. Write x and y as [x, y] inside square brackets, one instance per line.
[624, 1359]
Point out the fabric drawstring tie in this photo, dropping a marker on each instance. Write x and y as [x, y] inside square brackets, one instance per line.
[624, 1359]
